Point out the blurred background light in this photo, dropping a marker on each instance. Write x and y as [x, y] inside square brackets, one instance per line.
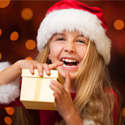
[29, 58]
[27, 14]
[118, 24]
[123, 112]
[0, 55]
[0, 31]
[30, 44]
[4, 3]
[14, 36]
[8, 120]
[10, 110]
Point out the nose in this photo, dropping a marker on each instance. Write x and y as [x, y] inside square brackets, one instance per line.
[69, 47]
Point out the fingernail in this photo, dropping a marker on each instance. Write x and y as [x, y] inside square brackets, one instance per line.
[32, 72]
[48, 72]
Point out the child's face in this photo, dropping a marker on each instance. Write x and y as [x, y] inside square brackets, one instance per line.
[69, 47]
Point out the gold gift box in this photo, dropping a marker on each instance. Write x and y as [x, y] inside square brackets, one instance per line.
[35, 90]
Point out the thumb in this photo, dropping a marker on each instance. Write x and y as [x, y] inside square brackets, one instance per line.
[67, 83]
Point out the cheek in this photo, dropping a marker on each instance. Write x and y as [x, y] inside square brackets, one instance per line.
[82, 52]
[55, 52]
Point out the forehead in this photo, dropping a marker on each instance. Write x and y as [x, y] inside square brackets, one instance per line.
[66, 32]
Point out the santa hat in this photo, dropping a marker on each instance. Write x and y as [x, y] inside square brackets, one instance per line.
[73, 15]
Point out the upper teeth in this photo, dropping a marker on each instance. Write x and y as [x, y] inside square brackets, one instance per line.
[68, 60]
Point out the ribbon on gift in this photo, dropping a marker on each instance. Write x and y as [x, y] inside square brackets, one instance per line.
[37, 89]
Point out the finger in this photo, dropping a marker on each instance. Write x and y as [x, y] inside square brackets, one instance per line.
[54, 65]
[56, 83]
[57, 98]
[31, 68]
[55, 88]
[40, 69]
[46, 68]
[67, 84]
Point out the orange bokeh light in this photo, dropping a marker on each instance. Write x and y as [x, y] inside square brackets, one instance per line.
[29, 58]
[0, 32]
[0, 56]
[27, 14]
[14, 36]
[4, 3]
[118, 24]
[30, 44]
[10, 110]
[123, 112]
[8, 120]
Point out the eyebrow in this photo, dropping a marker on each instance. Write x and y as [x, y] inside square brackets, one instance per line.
[62, 34]
[58, 34]
[80, 36]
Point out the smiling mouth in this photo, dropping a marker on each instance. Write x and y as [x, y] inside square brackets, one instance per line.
[69, 62]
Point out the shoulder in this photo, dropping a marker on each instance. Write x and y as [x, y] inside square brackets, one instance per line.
[9, 92]
[4, 65]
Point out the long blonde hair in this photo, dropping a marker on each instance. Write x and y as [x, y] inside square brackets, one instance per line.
[94, 99]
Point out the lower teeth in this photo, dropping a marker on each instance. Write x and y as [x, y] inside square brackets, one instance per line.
[69, 65]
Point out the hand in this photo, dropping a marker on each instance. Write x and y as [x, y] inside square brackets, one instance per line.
[32, 64]
[63, 98]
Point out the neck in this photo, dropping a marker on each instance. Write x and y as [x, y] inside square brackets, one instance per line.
[72, 88]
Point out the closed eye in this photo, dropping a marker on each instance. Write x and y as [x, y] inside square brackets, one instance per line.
[81, 41]
[60, 39]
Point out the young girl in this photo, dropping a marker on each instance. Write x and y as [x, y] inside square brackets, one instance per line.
[71, 39]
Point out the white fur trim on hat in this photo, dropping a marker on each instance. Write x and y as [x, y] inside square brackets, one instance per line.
[73, 19]
[8, 92]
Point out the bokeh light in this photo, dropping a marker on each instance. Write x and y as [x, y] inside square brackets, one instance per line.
[118, 24]
[27, 14]
[0, 55]
[10, 110]
[123, 112]
[14, 36]
[8, 120]
[29, 58]
[30, 44]
[4, 3]
[0, 31]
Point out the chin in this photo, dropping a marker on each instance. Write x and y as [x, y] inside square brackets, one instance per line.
[73, 74]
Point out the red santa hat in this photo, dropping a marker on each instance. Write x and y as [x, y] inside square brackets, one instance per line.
[73, 15]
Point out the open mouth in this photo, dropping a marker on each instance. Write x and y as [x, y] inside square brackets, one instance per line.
[69, 62]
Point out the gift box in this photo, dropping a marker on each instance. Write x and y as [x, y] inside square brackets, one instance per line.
[35, 90]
